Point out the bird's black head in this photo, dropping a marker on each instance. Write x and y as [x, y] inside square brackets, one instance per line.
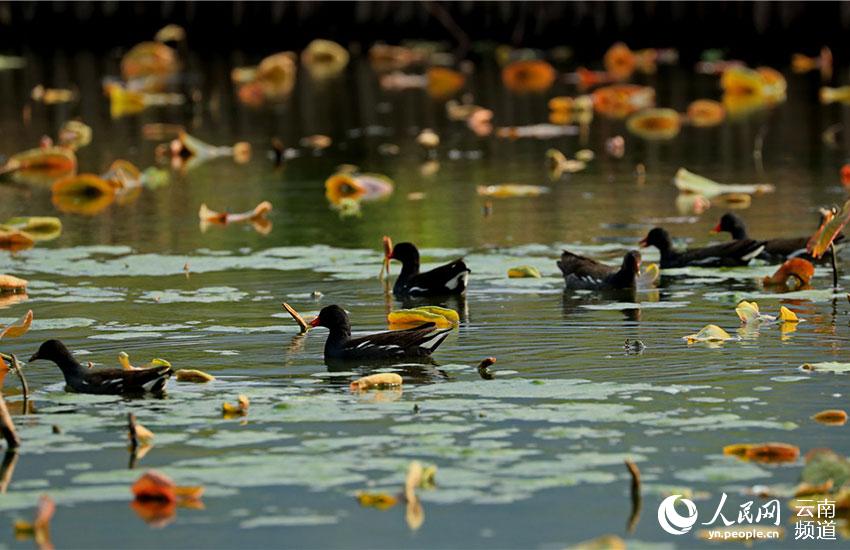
[52, 350]
[631, 262]
[405, 253]
[730, 223]
[333, 318]
[659, 238]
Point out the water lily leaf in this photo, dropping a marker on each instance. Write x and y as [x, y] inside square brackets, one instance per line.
[788, 316]
[509, 190]
[40, 228]
[709, 333]
[239, 409]
[381, 501]
[832, 225]
[524, 271]
[18, 328]
[41, 165]
[764, 452]
[194, 376]
[377, 381]
[693, 183]
[823, 465]
[417, 316]
[831, 417]
[15, 240]
[827, 366]
[8, 283]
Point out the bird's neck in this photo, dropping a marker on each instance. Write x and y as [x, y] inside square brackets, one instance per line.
[739, 232]
[70, 367]
[338, 336]
[409, 268]
[625, 276]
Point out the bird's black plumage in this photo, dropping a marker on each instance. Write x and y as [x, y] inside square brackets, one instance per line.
[419, 341]
[102, 381]
[735, 253]
[775, 250]
[585, 273]
[444, 280]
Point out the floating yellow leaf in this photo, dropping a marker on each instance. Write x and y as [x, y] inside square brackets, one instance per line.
[239, 409]
[124, 361]
[18, 328]
[324, 58]
[693, 183]
[40, 228]
[143, 435]
[509, 190]
[709, 333]
[655, 123]
[8, 283]
[417, 316]
[149, 59]
[192, 375]
[524, 271]
[381, 501]
[377, 381]
[787, 316]
[831, 417]
[748, 312]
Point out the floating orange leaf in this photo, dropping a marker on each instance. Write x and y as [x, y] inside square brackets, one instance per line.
[239, 409]
[794, 273]
[15, 240]
[18, 328]
[655, 124]
[193, 375]
[149, 59]
[621, 100]
[381, 501]
[764, 452]
[620, 61]
[42, 165]
[87, 194]
[705, 112]
[444, 82]
[531, 75]
[832, 225]
[831, 417]
[377, 381]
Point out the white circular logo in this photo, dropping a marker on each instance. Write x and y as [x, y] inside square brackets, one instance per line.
[670, 520]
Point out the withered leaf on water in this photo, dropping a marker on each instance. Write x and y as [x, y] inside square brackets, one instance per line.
[19, 327]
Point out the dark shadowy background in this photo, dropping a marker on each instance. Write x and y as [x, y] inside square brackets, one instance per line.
[762, 32]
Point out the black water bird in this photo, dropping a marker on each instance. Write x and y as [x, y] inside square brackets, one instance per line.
[102, 381]
[588, 274]
[444, 280]
[734, 253]
[415, 342]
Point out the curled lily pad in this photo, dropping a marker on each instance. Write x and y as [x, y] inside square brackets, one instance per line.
[417, 316]
[40, 228]
[18, 328]
[655, 124]
[509, 190]
[86, 194]
[764, 452]
[42, 165]
[793, 274]
[693, 183]
[193, 375]
[709, 333]
[9, 283]
[15, 240]
[831, 417]
[788, 316]
[748, 312]
[377, 381]
[324, 58]
[524, 271]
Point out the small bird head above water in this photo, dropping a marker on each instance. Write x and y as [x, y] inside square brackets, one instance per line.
[657, 237]
[331, 317]
[631, 261]
[405, 252]
[729, 223]
[52, 350]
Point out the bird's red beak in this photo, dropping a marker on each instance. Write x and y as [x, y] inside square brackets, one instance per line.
[717, 228]
[314, 322]
[643, 243]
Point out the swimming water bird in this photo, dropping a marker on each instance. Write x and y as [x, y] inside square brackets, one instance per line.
[419, 341]
[447, 279]
[775, 250]
[102, 381]
[585, 273]
[734, 253]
